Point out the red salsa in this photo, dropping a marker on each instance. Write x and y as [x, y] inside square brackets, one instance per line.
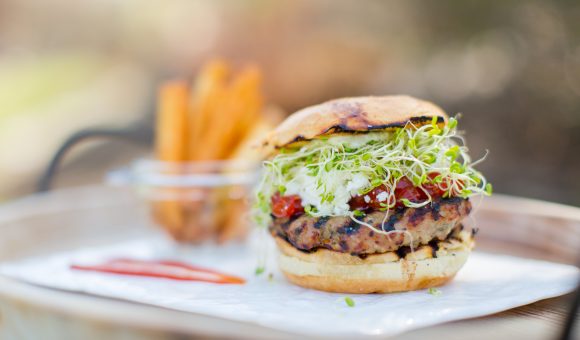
[290, 205]
[286, 206]
[404, 190]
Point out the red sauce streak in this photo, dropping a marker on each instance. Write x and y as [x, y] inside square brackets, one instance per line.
[286, 206]
[173, 270]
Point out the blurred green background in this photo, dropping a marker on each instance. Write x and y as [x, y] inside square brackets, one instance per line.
[512, 68]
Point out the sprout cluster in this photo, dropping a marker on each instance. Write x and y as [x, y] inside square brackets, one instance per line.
[326, 172]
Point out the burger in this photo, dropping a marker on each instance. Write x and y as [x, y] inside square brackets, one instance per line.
[368, 195]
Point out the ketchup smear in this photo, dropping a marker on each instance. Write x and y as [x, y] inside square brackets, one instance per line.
[288, 206]
[173, 270]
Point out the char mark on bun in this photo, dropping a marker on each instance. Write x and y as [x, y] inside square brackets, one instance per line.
[346, 129]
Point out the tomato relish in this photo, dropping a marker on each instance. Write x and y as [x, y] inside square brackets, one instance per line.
[286, 206]
[377, 198]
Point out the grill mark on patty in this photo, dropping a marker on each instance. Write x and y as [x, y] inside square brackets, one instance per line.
[418, 214]
[341, 233]
[343, 246]
[454, 201]
[321, 221]
[390, 224]
[300, 229]
[435, 207]
[349, 229]
[401, 251]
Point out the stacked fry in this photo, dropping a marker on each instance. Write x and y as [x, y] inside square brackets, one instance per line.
[214, 119]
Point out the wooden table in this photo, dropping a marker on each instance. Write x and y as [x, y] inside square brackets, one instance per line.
[98, 215]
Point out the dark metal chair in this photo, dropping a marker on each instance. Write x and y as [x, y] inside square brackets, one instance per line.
[141, 133]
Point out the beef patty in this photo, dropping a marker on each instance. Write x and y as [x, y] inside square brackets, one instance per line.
[406, 226]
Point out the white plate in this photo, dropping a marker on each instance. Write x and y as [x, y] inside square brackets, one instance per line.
[95, 218]
[487, 284]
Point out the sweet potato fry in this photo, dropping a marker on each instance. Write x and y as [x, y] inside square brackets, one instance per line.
[215, 119]
[171, 146]
[207, 92]
[240, 100]
[171, 128]
[250, 107]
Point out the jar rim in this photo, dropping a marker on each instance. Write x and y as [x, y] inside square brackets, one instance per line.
[154, 173]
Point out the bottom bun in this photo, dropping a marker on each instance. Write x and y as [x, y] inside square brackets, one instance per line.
[382, 273]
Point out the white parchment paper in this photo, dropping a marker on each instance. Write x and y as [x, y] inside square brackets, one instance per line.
[487, 284]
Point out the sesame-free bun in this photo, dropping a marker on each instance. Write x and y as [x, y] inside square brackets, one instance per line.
[352, 115]
[382, 273]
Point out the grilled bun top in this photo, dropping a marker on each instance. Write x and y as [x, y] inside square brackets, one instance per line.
[351, 115]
